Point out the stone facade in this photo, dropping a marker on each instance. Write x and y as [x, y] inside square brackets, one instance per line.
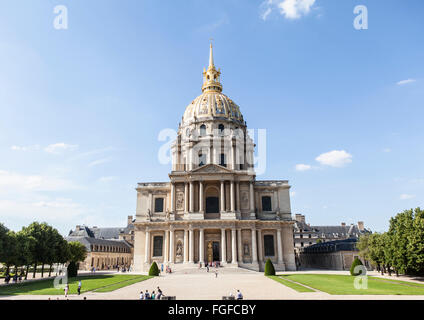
[213, 209]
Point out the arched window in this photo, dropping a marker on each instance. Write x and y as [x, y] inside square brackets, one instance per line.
[202, 130]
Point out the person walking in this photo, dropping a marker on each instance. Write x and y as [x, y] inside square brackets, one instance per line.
[159, 294]
[66, 290]
[153, 295]
[207, 267]
[239, 295]
[79, 287]
[147, 295]
[141, 295]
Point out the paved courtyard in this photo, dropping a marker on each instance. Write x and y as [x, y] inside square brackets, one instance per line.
[194, 284]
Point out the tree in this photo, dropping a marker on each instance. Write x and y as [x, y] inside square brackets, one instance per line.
[3, 242]
[363, 246]
[356, 262]
[41, 232]
[154, 270]
[269, 268]
[9, 250]
[77, 253]
[415, 245]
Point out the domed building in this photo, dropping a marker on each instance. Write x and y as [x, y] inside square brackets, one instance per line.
[213, 210]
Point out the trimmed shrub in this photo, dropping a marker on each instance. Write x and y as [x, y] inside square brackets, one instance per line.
[72, 269]
[154, 270]
[355, 263]
[269, 268]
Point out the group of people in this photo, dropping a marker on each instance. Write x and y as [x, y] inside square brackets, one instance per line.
[16, 278]
[167, 269]
[66, 289]
[153, 296]
[239, 295]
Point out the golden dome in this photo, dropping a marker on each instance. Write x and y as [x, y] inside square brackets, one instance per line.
[212, 103]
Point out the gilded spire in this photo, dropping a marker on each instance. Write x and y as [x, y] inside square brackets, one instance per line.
[211, 65]
[211, 76]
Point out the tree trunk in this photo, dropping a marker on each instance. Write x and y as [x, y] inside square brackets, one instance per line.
[26, 273]
[7, 269]
[50, 271]
[42, 269]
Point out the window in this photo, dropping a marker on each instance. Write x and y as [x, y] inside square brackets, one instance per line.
[202, 130]
[221, 128]
[223, 161]
[269, 245]
[159, 205]
[157, 246]
[266, 203]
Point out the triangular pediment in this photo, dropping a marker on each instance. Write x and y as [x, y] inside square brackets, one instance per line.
[212, 168]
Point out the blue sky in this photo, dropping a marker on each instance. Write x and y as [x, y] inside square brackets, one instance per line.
[81, 109]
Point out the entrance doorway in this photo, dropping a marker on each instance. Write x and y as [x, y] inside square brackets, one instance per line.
[213, 251]
[212, 205]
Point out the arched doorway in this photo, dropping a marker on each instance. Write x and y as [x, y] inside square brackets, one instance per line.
[212, 199]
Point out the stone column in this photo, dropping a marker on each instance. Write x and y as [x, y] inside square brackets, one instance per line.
[151, 203]
[279, 246]
[238, 196]
[252, 197]
[222, 208]
[191, 244]
[186, 198]
[172, 197]
[239, 251]
[190, 158]
[260, 248]
[166, 247]
[147, 249]
[275, 204]
[233, 246]
[254, 247]
[202, 245]
[191, 196]
[171, 245]
[223, 247]
[201, 197]
[232, 200]
[185, 246]
[233, 155]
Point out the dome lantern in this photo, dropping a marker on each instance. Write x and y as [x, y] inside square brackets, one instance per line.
[211, 76]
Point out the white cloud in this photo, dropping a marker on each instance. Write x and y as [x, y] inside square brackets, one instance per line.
[17, 181]
[57, 148]
[402, 82]
[56, 209]
[335, 158]
[406, 196]
[25, 148]
[107, 179]
[303, 167]
[290, 9]
[98, 162]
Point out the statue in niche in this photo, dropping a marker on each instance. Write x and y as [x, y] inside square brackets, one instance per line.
[167, 214]
[149, 215]
[246, 249]
[180, 200]
[179, 251]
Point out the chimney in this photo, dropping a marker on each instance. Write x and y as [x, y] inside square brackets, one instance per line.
[343, 224]
[300, 217]
[129, 220]
[361, 225]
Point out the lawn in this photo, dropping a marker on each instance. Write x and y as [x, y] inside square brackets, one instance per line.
[293, 285]
[98, 283]
[344, 284]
